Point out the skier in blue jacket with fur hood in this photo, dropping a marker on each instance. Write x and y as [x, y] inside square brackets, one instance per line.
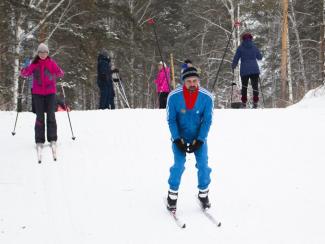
[189, 116]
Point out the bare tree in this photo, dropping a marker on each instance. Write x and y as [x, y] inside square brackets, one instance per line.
[301, 58]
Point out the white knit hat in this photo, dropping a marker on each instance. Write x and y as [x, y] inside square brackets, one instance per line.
[42, 48]
[162, 63]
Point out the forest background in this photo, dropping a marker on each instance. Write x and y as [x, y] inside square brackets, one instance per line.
[289, 33]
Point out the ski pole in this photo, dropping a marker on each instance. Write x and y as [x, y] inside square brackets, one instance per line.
[232, 90]
[120, 90]
[237, 23]
[259, 79]
[152, 22]
[66, 108]
[124, 94]
[232, 86]
[22, 90]
[119, 86]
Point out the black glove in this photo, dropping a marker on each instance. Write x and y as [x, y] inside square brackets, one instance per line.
[196, 144]
[180, 144]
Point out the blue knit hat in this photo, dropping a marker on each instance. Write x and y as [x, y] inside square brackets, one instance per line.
[189, 72]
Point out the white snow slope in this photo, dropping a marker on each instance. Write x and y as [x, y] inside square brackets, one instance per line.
[313, 99]
[109, 184]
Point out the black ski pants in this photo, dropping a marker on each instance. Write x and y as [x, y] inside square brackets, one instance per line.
[254, 82]
[106, 100]
[45, 104]
[163, 99]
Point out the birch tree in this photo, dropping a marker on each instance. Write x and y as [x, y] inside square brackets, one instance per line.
[20, 34]
[301, 58]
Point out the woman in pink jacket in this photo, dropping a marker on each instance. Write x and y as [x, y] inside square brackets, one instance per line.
[44, 71]
[162, 83]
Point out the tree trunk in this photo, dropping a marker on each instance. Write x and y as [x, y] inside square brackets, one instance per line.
[132, 58]
[284, 54]
[237, 41]
[273, 43]
[290, 87]
[322, 45]
[15, 24]
[301, 58]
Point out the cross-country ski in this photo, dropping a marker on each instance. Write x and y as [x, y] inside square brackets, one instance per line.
[207, 212]
[177, 220]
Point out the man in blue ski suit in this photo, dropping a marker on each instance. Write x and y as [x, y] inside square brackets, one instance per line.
[189, 116]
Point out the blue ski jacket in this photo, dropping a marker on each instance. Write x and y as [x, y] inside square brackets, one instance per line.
[189, 124]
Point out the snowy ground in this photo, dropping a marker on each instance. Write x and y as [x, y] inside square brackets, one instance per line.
[108, 185]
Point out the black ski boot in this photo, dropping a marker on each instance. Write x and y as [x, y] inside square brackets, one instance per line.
[255, 105]
[172, 200]
[204, 199]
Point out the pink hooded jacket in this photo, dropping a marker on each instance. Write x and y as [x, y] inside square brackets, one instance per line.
[161, 82]
[44, 74]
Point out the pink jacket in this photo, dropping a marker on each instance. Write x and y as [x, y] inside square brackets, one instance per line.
[161, 82]
[44, 74]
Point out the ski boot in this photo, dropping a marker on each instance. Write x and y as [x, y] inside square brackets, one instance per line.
[204, 199]
[172, 200]
[255, 105]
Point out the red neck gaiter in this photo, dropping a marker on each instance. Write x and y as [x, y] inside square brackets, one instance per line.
[190, 97]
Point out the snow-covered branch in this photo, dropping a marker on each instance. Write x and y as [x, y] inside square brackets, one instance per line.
[213, 23]
[42, 21]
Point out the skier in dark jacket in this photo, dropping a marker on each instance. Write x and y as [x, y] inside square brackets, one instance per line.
[248, 54]
[104, 81]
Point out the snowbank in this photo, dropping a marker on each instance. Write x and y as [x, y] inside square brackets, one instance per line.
[314, 99]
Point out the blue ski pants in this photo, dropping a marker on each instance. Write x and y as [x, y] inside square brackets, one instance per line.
[176, 171]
